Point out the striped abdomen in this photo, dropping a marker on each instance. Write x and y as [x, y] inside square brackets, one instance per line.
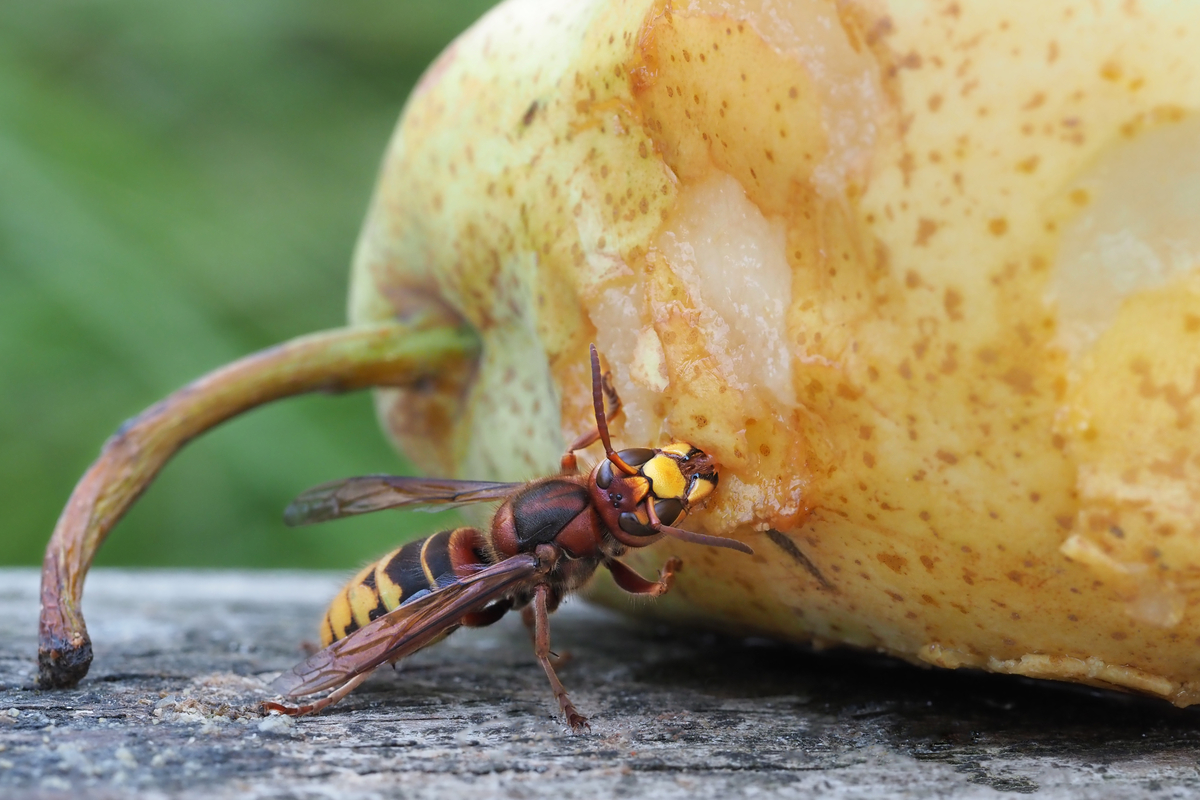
[400, 576]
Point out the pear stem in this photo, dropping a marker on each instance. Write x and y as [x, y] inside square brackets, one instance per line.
[396, 353]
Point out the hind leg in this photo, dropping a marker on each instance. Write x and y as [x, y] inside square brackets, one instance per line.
[325, 702]
[487, 616]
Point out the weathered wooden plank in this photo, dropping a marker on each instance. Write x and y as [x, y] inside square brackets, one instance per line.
[181, 657]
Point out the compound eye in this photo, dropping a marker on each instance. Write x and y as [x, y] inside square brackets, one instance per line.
[604, 476]
[630, 523]
[668, 510]
[636, 456]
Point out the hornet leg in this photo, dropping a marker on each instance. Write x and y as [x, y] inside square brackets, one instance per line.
[633, 583]
[325, 702]
[570, 464]
[541, 621]
[557, 659]
[487, 616]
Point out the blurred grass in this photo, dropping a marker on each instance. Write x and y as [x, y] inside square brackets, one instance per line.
[182, 184]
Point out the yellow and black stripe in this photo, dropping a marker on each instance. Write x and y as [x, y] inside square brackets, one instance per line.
[401, 575]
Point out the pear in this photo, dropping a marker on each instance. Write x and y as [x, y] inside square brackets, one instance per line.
[920, 277]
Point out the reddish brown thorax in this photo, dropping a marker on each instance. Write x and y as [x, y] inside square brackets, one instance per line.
[557, 511]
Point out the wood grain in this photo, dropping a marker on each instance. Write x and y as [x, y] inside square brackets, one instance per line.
[183, 659]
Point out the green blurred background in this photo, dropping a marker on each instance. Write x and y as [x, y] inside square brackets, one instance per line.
[181, 184]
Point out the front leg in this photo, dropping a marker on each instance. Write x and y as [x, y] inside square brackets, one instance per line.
[633, 583]
[569, 463]
[541, 648]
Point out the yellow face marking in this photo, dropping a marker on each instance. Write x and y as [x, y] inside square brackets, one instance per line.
[389, 591]
[638, 486]
[678, 448]
[702, 489]
[665, 477]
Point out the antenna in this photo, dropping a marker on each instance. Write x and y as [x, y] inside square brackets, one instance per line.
[601, 420]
